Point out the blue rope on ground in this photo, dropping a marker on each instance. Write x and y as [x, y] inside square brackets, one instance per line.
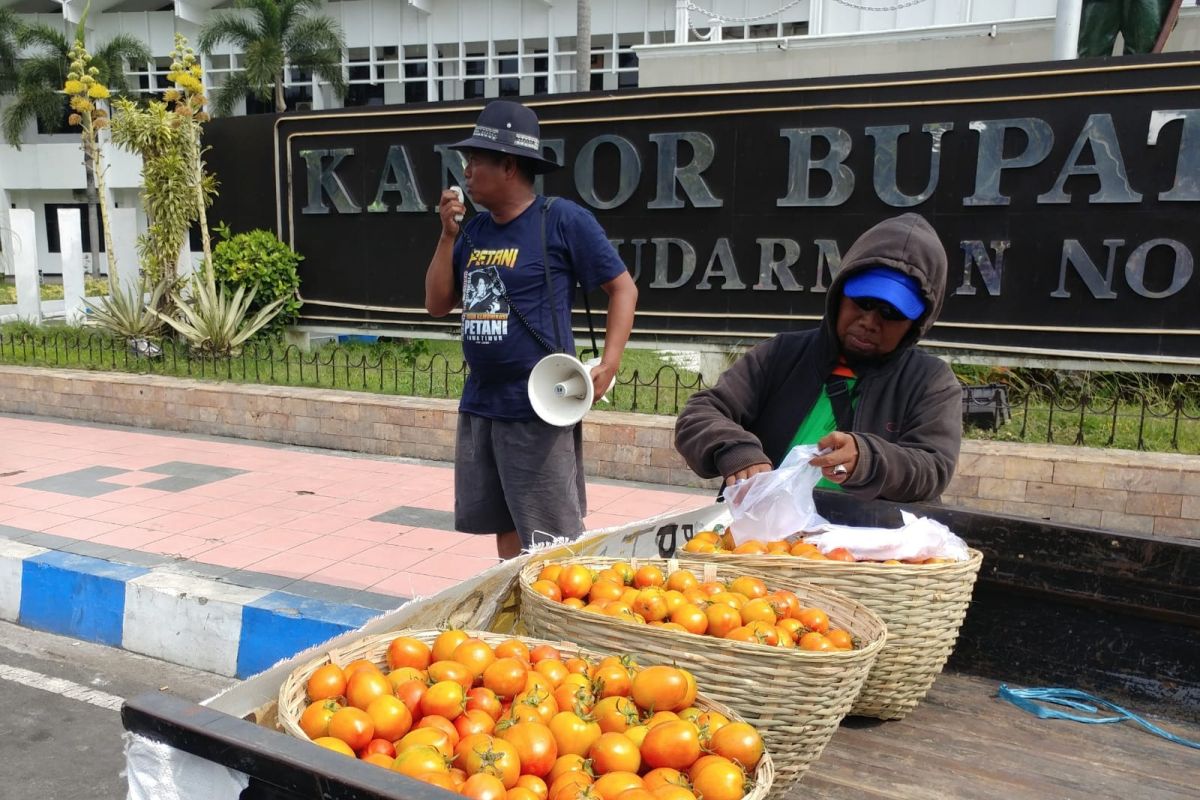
[1031, 700]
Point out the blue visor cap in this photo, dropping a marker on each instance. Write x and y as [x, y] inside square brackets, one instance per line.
[885, 283]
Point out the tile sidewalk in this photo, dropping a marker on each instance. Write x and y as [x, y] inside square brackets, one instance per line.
[339, 529]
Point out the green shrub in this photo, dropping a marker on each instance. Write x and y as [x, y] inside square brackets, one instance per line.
[258, 261]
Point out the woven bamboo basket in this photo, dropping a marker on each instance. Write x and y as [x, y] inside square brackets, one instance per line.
[293, 698]
[795, 698]
[923, 606]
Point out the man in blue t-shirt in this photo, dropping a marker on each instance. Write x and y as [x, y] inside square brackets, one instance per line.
[514, 473]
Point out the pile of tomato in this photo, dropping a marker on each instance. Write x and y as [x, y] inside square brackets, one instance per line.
[721, 541]
[743, 609]
[514, 723]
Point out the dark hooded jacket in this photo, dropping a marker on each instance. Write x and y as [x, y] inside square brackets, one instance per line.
[908, 413]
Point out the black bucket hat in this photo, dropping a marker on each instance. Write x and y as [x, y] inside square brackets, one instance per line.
[507, 127]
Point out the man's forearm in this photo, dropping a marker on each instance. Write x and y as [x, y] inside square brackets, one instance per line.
[622, 303]
[440, 296]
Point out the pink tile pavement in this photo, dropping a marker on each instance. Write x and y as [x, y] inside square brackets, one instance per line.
[259, 520]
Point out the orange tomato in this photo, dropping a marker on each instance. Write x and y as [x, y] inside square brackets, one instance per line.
[571, 762]
[624, 570]
[547, 589]
[357, 664]
[814, 619]
[803, 548]
[490, 755]
[451, 671]
[794, 627]
[651, 604]
[446, 643]
[840, 638]
[661, 688]
[701, 763]
[606, 590]
[648, 576]
[612, 784]
[410, 694]
[391, 717]
[778, 547]
[483, 699]
[506, 677]
[615, 714]
[536, 747]
[674, 792]
[553, 670]
[721, 619]
[472, 722]
[758, 610]
[442, 724]
[752, 547]
[315, 719]
[544, 652]
[815, 641]
[739, 742]
[720, 780]
[749, 586]
[482, 786]
[681, 580]
[535, 785]
[513, 648]
[672, 744]
[550, 572]
[436, 738]
[353, 726]
[663, 776]
[573, 734]
[574, 602]
[476, 655]
[401, 676]
[840, 554]
[691, 618]
[378, 759]
[611, 679]
[575, 581]
[405, 651]
[445, 698]
[520, 793]
[699, 546]
[334, 744]
[571, 786]
[365, 685]
[326, 682]
[614, 752]
[419, 760]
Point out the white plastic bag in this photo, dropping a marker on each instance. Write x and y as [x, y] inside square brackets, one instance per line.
[776, 504]
[919, 538]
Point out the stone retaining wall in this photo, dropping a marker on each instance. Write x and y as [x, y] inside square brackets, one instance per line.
[1118, 490]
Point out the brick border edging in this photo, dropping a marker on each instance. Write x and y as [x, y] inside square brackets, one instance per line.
[1122, 490]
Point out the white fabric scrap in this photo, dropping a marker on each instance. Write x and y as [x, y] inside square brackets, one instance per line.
[157, 771]
[917, 539]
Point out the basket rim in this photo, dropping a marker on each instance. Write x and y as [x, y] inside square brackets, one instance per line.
[750, 649]
[764, 772]
[807, 563]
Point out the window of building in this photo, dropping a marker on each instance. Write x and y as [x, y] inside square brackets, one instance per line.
[53, 243]
[627, 64]
[541, 68]
[475, 63]
[416, 84]
[507, 64]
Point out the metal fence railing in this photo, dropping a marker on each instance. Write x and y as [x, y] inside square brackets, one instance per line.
[1065, 414]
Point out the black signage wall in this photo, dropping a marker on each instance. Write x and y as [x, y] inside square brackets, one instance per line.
[1066, 195]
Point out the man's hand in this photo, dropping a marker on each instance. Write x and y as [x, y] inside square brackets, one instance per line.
[602, 375]
[742, 474]
[838, 465]
[448, 208]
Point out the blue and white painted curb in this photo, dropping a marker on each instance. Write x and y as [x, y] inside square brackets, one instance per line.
[171, 615]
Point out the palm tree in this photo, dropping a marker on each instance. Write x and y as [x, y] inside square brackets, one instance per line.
[10, 28]
[276, 34]
[39, 82]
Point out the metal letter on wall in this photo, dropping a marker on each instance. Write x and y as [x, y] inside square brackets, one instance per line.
[1099, 285]
[769, 267]
[662, 255]
[801, 165]
[627, 179]
[992, 273]
[670, 173]
[398, 176]
[1187, 163]
[454, 171]
[829, 262]
[1109, 166]
[558, 149]
[887, 145]
[991, 162]
[325, 180]
[1181, 271]
[722, 255]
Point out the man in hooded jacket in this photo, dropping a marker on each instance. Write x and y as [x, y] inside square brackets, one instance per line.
[889, 414]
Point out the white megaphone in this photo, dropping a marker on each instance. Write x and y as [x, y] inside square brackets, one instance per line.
[560, 388]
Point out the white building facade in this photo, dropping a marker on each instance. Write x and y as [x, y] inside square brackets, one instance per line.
[415, 51]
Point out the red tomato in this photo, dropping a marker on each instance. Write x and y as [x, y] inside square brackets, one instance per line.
[379, 747]
[535, 746]
[473, 721]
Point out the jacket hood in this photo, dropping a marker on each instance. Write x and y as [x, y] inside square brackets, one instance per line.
[906, 243]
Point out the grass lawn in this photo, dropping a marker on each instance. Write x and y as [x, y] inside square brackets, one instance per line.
[53, 291]
[647, 383]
